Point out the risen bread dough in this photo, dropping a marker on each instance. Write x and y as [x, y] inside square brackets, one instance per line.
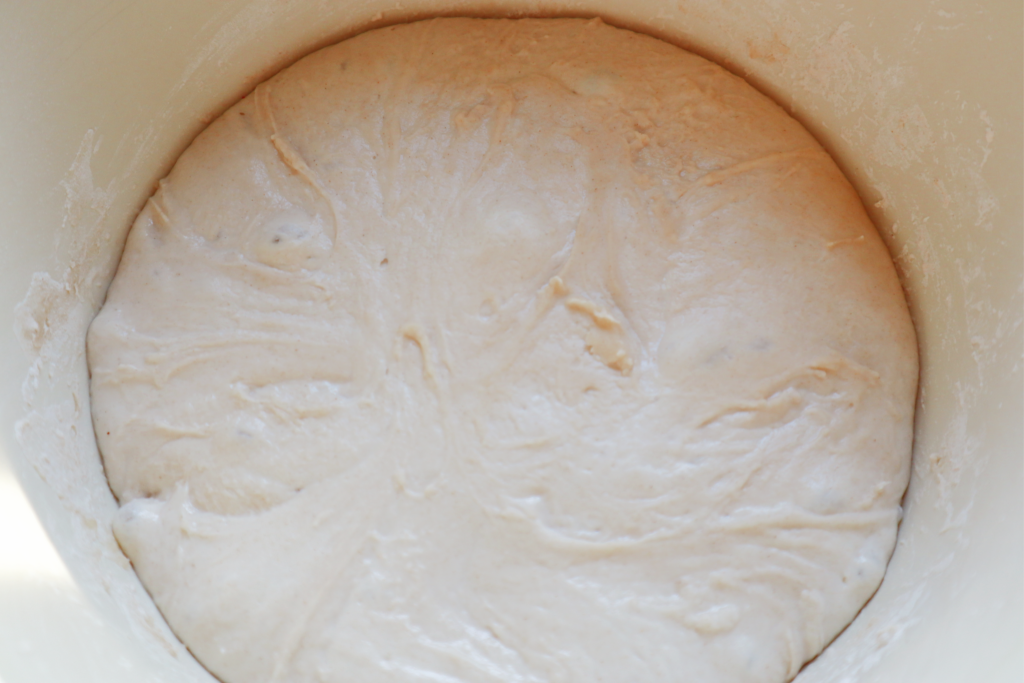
[478, 350]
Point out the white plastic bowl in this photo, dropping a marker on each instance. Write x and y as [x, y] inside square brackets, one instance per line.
[920, 101]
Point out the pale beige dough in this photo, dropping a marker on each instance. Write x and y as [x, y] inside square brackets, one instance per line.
[511, 351]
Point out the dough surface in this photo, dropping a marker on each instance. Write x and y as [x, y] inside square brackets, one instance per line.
[512, 351]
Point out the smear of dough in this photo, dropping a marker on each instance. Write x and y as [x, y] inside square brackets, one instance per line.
[479, 350]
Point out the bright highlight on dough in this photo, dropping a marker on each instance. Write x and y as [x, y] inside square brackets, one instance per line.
[514, 351]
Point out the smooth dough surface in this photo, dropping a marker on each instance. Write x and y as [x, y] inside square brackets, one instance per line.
[514, 351]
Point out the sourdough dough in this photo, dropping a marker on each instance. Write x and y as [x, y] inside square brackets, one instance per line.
[480, 350]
